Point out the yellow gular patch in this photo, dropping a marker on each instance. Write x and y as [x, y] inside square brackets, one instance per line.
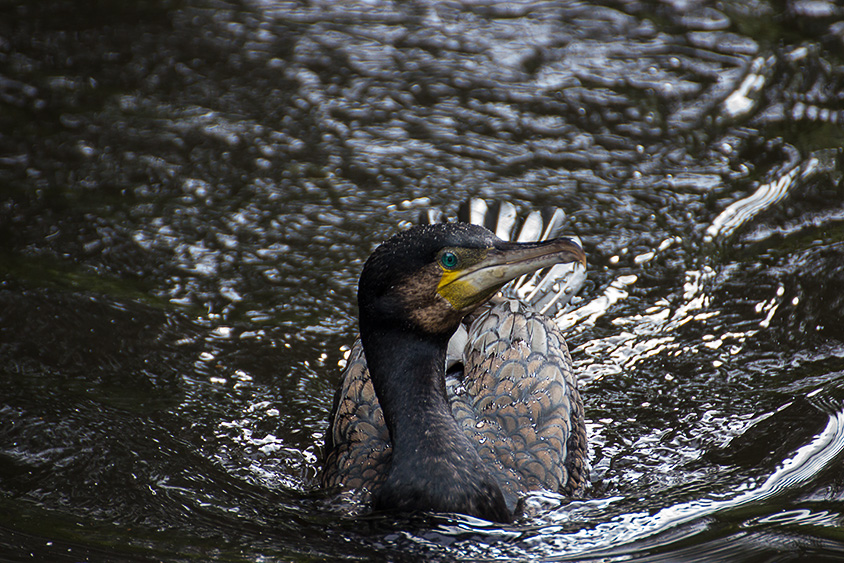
[454, 291]
[462, 294]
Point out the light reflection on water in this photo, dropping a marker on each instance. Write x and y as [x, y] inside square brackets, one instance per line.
[807, 461]
[189, 195]
[742, 211]
[560, 534]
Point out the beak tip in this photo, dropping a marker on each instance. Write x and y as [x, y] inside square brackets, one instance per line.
[578, 251]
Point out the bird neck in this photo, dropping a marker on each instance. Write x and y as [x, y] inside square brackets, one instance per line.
[433, 465]
[408, 373]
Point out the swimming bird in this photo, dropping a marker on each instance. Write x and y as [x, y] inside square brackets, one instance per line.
[510, 418]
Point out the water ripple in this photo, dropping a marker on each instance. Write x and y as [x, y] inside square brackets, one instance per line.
[626, 533]
[744, 210]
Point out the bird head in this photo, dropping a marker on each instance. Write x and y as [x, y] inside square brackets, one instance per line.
[428, 278]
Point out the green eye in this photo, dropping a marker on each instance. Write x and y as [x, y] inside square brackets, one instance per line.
[449, 260]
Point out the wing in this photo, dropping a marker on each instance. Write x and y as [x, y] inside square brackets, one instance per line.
[357, 445]
[518, 401]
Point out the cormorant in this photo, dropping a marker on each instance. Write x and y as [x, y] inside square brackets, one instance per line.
[510, 422]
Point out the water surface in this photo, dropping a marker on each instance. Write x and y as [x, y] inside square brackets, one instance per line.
[188, 190]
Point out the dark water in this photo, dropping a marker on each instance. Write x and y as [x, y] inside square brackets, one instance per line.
[188, 190]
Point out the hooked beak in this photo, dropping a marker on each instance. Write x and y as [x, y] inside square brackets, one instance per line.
[470, 287]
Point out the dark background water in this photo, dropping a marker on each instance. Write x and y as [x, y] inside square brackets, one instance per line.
[188, 190]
